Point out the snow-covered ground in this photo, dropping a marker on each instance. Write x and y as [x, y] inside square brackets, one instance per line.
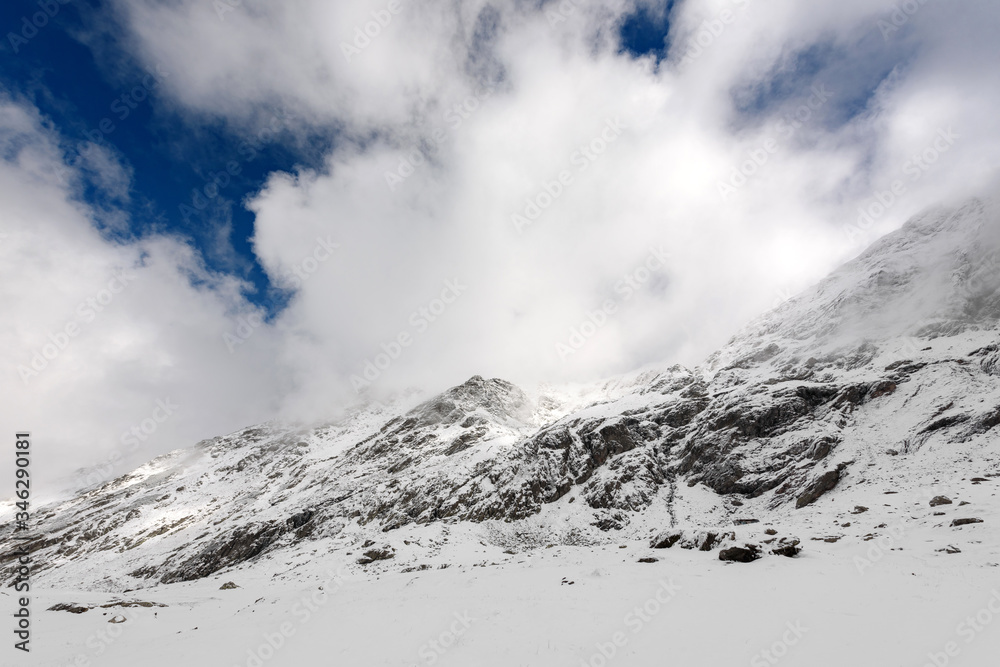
[687, 609]
[891, 600]
[492, 526]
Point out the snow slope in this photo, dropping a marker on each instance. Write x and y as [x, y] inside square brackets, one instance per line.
[829, 424]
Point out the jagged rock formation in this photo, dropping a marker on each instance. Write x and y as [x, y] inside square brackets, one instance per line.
[896, 350]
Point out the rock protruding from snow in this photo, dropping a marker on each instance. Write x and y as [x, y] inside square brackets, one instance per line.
[892, 356]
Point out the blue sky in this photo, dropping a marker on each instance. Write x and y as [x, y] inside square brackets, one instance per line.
[172, 155]
[646, 30]
[176, 157]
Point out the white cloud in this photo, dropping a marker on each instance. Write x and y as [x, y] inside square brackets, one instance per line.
[656, 184]
[98, 331]
[685, 128]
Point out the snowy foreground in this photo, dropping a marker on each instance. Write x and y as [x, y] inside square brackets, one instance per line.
[850, 439]
[896, 600]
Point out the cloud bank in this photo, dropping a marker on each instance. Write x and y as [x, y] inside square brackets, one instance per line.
[509, 194]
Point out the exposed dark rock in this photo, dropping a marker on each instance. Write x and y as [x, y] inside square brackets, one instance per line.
[131, 604]
[298, 520]
[944, 423]
[702, 540]
[937, 501]
[476, 452]
[706, 542]
[882, 389]
[789, 548]
[614, 521]
[822, 448]
[238, 546]
[745, 554]
[905, 367]
[373, 555]
[71, 607]
[667, 540]
[825, 482]
[417, 568]
[143, 572]
[988, 421]
[964, 522]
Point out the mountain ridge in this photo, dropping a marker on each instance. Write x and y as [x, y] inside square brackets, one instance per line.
[813, 395]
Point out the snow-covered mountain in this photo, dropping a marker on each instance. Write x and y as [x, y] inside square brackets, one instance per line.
[884, 376]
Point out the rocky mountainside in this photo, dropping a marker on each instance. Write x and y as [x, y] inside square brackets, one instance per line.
[890, 365]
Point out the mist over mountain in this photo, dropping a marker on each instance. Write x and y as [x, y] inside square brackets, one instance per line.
[564, 333]
[888, 367]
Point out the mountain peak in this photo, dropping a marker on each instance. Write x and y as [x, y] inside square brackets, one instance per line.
[496, 398]
[937, 275]
[889, 362]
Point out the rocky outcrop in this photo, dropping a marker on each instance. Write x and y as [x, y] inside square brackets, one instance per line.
[787, 547]
[700, 540]
[240, 545]
[965, 522]
[825, 482]
[909, 325]
[748, 553]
